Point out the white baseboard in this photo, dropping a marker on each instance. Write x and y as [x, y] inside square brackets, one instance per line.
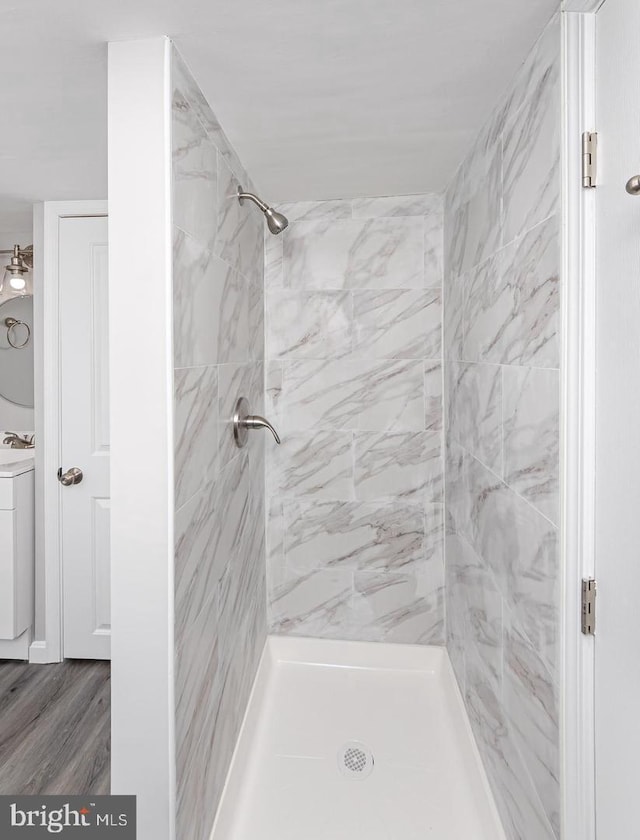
[39, 654]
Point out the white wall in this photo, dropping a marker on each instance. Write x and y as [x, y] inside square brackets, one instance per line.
[141, 364]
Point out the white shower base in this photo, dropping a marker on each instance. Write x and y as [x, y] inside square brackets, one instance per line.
[401, 704]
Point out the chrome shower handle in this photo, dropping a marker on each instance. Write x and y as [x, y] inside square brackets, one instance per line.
[243, 422]
[254, 421]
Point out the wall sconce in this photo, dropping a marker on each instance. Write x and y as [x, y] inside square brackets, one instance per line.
[14, 280]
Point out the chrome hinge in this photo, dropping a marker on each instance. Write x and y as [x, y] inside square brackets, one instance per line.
[589, 158]
[589, 606]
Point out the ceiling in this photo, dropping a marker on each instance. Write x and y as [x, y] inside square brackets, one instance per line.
[321, 98]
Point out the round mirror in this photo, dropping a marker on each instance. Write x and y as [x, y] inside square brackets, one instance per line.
[16, 350]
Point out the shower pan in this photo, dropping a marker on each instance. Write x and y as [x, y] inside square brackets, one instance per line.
[348, 740]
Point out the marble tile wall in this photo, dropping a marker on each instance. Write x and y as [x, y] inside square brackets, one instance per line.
[354, 384]
[501, 361]
[218, 330]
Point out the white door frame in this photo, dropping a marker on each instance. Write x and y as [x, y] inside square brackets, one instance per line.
[578, 401]
[47, 218]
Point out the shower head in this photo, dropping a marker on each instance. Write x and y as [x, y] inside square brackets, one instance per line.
[276, 222]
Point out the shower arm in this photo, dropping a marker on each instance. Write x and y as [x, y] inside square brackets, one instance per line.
[261, 204]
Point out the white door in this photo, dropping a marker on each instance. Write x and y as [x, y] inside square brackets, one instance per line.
[84, 397]
[617, 701]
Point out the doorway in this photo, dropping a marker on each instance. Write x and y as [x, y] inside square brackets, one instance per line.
[83, 473]
[601, 414]
[56, 715]
[72, 428]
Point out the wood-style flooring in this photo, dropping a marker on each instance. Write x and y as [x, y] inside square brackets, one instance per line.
[55, 728]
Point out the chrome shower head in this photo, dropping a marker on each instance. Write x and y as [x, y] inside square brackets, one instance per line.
[276, 222]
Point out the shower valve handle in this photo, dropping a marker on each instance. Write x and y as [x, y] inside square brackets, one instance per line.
[244, 421]
[254, 421]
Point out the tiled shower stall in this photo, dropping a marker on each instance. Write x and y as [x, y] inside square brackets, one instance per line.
[406, 349]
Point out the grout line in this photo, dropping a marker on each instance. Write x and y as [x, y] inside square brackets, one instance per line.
[516, 239]
[502, 429]
[265, 483]
[508, 486]
[512, 365]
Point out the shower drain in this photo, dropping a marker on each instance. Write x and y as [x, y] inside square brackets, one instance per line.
[355, 760]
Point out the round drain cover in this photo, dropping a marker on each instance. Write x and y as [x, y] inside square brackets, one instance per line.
[355, 760]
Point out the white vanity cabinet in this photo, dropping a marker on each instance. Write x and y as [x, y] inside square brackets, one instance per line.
[17, 545]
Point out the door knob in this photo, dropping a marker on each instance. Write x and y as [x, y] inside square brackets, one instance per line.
[633, 185]
[71, 476]
[243, 421]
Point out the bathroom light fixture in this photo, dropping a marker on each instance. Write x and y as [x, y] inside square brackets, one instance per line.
[276, 222]
[19, 265]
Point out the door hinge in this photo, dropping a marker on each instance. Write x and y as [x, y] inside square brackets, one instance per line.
[589, 158]
[589, 606]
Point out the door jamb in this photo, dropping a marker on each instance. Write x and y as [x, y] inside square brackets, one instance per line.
[47, 216]
[578, 463]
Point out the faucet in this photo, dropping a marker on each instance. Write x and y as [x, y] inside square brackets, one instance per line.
[16, 441]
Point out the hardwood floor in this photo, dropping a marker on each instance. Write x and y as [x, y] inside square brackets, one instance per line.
[55, 728]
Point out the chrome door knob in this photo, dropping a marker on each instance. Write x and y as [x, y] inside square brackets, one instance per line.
[633, 185]
[243, 421]
[71, 476]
